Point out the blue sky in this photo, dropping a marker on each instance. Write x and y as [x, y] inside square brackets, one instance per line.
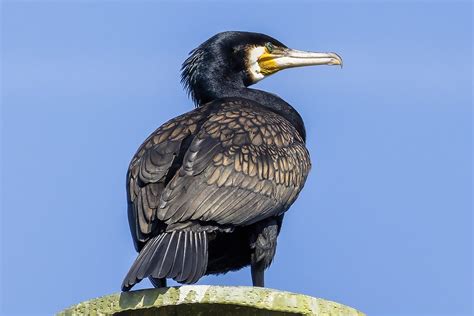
[384, 223]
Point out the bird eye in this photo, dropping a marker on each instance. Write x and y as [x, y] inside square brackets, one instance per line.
[269, 46]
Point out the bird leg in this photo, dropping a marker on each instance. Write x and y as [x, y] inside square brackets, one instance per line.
[258, 274]
[158, 282]
[263, 242]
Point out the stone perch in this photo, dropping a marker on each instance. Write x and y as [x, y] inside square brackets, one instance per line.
[210, 300]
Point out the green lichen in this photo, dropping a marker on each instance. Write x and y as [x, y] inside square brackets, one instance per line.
[209, 300]
[191, 297]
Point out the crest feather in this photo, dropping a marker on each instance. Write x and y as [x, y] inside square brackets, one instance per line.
[189, 72]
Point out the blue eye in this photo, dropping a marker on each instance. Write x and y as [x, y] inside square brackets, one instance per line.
[269, 46]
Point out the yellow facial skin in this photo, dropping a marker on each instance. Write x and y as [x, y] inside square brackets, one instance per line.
[267, 63]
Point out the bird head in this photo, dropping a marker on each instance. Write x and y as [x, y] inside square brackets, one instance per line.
[237, 59]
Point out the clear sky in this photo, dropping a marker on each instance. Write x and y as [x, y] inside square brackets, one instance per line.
[384, 223]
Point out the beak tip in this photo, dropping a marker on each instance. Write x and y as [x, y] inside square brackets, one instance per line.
[338, 59]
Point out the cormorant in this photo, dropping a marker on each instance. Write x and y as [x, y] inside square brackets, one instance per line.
[207, 191]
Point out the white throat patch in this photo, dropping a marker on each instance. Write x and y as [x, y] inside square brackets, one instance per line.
[252, 63]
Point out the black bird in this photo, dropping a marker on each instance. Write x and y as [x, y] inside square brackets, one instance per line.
[207, 190]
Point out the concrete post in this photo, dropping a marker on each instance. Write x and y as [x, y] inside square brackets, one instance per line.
[209, 300]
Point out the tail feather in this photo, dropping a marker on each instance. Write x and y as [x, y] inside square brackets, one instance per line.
[187, 261]
[202, 267]
[175, 269]
[162, 264]
[181, 255]
[141, 270]
[193, 251]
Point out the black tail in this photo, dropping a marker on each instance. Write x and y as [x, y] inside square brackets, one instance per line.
[181, 255]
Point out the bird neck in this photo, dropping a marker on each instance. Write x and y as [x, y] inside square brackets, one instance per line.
[268, 100]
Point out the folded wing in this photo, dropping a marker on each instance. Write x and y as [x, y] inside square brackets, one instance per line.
[245, 164]
[154, 164]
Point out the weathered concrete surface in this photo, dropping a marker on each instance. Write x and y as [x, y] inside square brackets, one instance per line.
[209, 300]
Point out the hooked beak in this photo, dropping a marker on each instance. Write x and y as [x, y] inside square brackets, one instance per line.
[283, 58]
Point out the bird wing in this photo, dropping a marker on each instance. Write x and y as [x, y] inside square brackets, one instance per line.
[245, 164]
[152, 167]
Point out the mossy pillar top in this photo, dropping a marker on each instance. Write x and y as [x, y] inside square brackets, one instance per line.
[209, 300]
